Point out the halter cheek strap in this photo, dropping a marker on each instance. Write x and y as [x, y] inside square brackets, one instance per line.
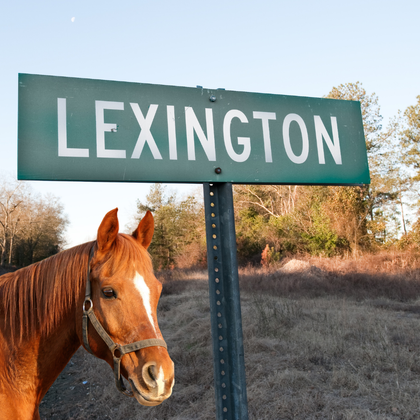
[117, 350]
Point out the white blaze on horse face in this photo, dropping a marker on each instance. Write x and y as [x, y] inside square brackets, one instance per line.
[161, 382]
[144, 291]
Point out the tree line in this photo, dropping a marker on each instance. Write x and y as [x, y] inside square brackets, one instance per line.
[271, 220]
[32, 227]
[275, 220]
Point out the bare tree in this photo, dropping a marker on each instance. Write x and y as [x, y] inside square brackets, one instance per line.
[42, 232]
[31, 227]
[11, 202]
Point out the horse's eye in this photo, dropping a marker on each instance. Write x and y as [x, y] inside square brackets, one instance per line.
[108, 292]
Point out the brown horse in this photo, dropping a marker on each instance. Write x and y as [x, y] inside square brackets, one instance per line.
[102, 295]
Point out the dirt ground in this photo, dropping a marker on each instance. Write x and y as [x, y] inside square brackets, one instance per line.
[71, 393]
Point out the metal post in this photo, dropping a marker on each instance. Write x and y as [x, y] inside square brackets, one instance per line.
[225, 306]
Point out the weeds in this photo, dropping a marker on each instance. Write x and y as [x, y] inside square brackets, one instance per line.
[337, 343]
[274, 317]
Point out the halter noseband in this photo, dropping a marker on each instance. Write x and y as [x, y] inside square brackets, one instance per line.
[117, 350]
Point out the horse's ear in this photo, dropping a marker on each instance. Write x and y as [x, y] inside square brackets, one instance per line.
[108, 230]
[145, 229]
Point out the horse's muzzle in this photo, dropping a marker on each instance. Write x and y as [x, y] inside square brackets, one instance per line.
[154, 384]
[156, 389]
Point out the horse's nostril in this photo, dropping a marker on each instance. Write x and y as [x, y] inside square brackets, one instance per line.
[152, 372]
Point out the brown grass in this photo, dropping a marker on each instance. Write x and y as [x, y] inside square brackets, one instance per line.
[340, 342]
[392, 262]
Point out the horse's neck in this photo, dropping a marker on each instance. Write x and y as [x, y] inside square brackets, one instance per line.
[47, 354]
[32, 368]
[32, 364]
[56, 350]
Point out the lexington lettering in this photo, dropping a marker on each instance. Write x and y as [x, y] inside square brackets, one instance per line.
[205, 137]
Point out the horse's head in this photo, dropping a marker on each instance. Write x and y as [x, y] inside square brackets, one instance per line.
[124, 298]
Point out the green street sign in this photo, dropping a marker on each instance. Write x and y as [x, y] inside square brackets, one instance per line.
[94, 130]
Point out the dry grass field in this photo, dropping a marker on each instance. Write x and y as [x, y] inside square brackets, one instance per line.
[324, 339]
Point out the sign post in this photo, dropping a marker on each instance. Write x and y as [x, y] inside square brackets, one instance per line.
[225, 305]
[93, 130]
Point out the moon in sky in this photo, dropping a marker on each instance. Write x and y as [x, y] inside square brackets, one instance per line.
[73, 19]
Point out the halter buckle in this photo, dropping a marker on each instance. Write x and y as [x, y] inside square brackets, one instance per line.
[89, 301]
[119, 354]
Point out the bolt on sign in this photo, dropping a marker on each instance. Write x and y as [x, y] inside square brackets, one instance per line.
[94, 130]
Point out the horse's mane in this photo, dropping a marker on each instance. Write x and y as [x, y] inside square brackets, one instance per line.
[35, 298]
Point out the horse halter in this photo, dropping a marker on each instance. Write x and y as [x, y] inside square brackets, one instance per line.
[117, 350]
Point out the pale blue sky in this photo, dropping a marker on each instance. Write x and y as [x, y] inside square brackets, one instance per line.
[299, 48]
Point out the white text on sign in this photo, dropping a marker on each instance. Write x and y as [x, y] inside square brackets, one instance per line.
[207, 139]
